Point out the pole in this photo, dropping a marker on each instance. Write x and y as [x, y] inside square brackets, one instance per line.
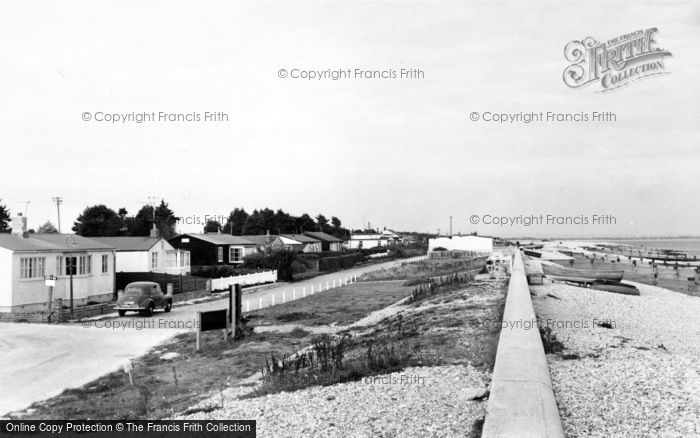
[58, 200]
[50, 301]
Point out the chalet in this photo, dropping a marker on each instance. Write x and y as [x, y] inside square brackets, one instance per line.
[328, 242]
[25, 259]
[213, 248]
[372, 240]
[148, 254]
[297, 242]
[262, 241]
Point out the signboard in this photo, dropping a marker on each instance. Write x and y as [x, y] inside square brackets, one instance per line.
[50, 280]
[213, 320]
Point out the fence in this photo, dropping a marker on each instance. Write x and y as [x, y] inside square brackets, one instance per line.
[181, 283]
[244, 280]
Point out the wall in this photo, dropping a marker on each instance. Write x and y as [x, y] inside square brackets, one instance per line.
[521, 402]
[133, 261]
[463, 243]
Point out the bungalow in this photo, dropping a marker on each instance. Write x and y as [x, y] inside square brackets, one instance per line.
[148, 254]
[371, 240]
[328, 242]
[297, 242]
[262, 241]
[25, 259]
[214, 248]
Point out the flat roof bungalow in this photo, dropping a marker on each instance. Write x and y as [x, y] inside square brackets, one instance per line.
[148, 254]
[25, 259]
[328, 242]
[214, 248]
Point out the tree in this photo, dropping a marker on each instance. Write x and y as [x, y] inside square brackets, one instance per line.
[212, 226]
[335, 222]
[98, 221]
[4, 219]
[322, 222]
[305, 223]
[235, 223]
[47, 228]
[163, 217]
[260, 222]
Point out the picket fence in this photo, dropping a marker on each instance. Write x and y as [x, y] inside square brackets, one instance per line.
[244, 280]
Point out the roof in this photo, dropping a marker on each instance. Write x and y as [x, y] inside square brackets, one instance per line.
[260, 239]
[51, 242]
[300, 238]
[129, 243]
[219, 239]
[368, 237]
[323, 236]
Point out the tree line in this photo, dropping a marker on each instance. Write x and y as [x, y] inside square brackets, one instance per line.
[102, 221]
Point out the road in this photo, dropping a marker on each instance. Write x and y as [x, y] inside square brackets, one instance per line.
[40, 361]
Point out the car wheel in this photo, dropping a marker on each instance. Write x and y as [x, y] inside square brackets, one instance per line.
[149, 309]
[122, 312]
[167, 307]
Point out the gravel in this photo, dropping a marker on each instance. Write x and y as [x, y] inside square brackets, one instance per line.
[639, 378]
[441, 401]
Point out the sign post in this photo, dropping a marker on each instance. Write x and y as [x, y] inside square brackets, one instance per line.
[212, 320]
[50, 282]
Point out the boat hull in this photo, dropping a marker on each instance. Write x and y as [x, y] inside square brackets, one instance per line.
[589, 275]
[615, 287]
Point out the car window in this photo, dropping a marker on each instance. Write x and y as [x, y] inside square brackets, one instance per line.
[134, 290]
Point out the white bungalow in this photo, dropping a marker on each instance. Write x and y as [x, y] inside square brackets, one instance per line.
[148, 254]
[25, 259]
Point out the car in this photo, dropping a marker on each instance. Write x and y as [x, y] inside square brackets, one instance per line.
[143, 297]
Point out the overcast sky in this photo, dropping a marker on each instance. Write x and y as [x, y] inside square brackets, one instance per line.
[397, 153]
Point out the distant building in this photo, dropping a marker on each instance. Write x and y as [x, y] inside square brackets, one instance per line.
[462, 243]
[148, 254]
[25, 259]
[372, 240]
[214, 248]
[328, 242]
[297, 242]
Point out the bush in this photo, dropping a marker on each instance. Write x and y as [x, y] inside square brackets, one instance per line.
[285, 261]
[218, 271]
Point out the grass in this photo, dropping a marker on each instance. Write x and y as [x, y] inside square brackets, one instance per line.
[421, 270]
[341, 306]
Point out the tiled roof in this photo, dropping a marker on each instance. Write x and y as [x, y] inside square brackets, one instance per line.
[50, 242]
[300, 238]
[129, 243]
[323, 236]
[260, 239]
[220, 239]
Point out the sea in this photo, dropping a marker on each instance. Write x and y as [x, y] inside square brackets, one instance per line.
[689, 245]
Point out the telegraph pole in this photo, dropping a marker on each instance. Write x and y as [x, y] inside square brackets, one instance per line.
[58, 200]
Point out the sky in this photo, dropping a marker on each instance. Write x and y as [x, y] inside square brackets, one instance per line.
[395, 153]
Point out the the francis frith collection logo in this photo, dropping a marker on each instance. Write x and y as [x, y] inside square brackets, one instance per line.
[615, 63]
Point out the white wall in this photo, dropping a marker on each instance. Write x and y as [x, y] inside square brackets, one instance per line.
[133, 261]
[5, 278]
[30, 291]
[462, 243]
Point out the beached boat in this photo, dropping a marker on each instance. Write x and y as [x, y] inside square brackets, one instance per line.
[580, 275]
[532, 253]
[615, 286]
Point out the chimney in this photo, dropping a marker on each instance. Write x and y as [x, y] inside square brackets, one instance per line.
[154, 231]
[267, 237]
[19, 226]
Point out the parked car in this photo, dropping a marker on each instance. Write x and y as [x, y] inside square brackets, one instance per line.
[143, 297]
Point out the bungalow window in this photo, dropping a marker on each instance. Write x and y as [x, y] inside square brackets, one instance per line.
[220, 254]
[31, 267]
[59, 265]
[235, 254]
[187, 258]
[154, 260]
[171, 259]
[84, 265]
[105, 265]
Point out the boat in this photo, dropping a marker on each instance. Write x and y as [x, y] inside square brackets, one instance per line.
[615, 286]
[531, 253]
[580, 275]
